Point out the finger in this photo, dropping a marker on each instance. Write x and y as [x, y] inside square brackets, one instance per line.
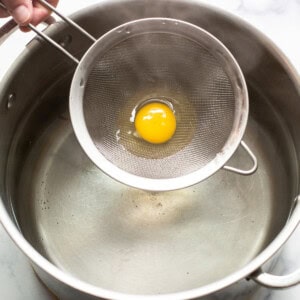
[41, 13]
[21, 10]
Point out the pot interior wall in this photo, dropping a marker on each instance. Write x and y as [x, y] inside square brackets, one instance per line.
[128, 240]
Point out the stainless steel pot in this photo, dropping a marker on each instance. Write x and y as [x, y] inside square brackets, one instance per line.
[89, 237]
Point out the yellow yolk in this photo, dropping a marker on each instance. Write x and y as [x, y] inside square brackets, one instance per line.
[155, 123]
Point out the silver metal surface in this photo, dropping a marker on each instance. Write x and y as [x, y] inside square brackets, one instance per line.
[144, 242]
[151, 58]
[39, 125]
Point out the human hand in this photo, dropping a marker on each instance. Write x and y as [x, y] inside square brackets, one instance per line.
[26, 11]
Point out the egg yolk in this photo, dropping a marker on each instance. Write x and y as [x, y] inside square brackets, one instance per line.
[155, 123]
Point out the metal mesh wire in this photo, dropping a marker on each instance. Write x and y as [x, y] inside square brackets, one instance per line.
[163, 66]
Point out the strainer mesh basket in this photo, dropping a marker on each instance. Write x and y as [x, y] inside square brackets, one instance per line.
[188, 69]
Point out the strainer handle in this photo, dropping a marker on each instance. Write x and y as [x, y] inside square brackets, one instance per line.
[67, 20]
[241, 171]
[51, 41]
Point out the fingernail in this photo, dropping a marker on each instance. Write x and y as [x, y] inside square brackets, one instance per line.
[21, 14]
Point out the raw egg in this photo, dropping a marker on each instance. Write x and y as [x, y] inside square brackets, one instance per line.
[155, 122]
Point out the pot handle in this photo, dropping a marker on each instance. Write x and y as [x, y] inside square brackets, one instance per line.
[284, 281]
[274, 281]
[11, 26]
[7, 29]
[241, 171]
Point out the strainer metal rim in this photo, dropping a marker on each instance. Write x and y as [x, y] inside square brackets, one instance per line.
[107, 41]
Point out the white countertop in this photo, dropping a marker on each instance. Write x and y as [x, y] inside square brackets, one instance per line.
[280, 21]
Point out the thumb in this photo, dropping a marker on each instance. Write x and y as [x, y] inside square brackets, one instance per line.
[21, 10]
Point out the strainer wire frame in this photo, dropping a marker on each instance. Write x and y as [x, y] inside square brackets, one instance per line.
[83, 136]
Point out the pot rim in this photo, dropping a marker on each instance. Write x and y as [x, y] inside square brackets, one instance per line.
[252, 266]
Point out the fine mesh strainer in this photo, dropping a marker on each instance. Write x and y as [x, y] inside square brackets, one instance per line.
[169, 61]
[158, 60]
